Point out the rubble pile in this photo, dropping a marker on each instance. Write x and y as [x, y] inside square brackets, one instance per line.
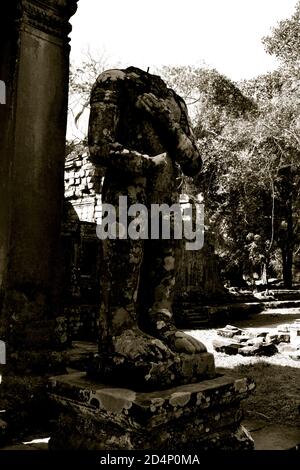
[285, 340]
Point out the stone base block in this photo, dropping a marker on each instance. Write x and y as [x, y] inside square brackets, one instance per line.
[204, 415]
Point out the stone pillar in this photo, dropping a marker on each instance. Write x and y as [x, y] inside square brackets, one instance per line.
[34, 51]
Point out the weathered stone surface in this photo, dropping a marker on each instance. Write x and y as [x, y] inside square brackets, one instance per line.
[153, 375]
[255, 344]
[229, 331]
[268, 349]
[255, 341]
[94, 416]
[231, 327]
[261, 334]
[34, 50]
[258, 350]
[279, 337]
[139, 133]
[241, 338]
[226, 346]
[249, 351]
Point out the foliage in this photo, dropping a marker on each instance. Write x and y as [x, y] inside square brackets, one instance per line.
[82, 77]
[284, 42]
[248, 137]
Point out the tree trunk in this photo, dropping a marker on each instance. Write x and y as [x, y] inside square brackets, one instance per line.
[287, 237]
[287, 268]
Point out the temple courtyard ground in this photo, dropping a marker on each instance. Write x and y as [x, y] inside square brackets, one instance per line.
[271, 412]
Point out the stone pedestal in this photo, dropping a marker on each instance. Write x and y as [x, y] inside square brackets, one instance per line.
[204, 415]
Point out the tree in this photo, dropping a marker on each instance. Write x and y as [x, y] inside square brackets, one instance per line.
[284, 42]
[82, 78]
[223, 119]
[248, 137]
[284, 124]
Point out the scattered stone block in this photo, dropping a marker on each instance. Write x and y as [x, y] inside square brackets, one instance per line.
[226, 333]
[268, 349]
[249, 351]
[231, 327]
[259, 350]
[229, 331]
[284, 337]
[295, 355]
[277, 338]
[225, 346]
[262, 334]
[261, 343]
[241, 338]
[256, 341]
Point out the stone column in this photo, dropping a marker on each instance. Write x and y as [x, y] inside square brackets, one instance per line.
[34, 51]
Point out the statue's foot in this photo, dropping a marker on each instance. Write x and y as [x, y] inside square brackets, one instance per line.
[163, 328]
[137, 361]
[178, 341]
[134, 344]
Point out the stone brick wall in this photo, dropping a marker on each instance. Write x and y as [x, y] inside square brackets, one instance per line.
[83, 183]
[82, 249]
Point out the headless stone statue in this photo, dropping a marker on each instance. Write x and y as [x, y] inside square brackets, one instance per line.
[139, 132]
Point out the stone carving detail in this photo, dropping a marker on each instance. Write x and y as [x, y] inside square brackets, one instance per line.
[51, 16]
[139, 131]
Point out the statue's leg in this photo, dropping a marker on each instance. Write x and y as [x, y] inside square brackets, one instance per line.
[119, 332]
[161, 261]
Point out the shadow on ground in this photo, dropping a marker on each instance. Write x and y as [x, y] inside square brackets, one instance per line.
[272, 410]
[267, 319]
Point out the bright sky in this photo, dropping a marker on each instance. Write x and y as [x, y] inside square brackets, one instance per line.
[225, 34]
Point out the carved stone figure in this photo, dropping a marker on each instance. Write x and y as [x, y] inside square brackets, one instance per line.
[139, 131]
